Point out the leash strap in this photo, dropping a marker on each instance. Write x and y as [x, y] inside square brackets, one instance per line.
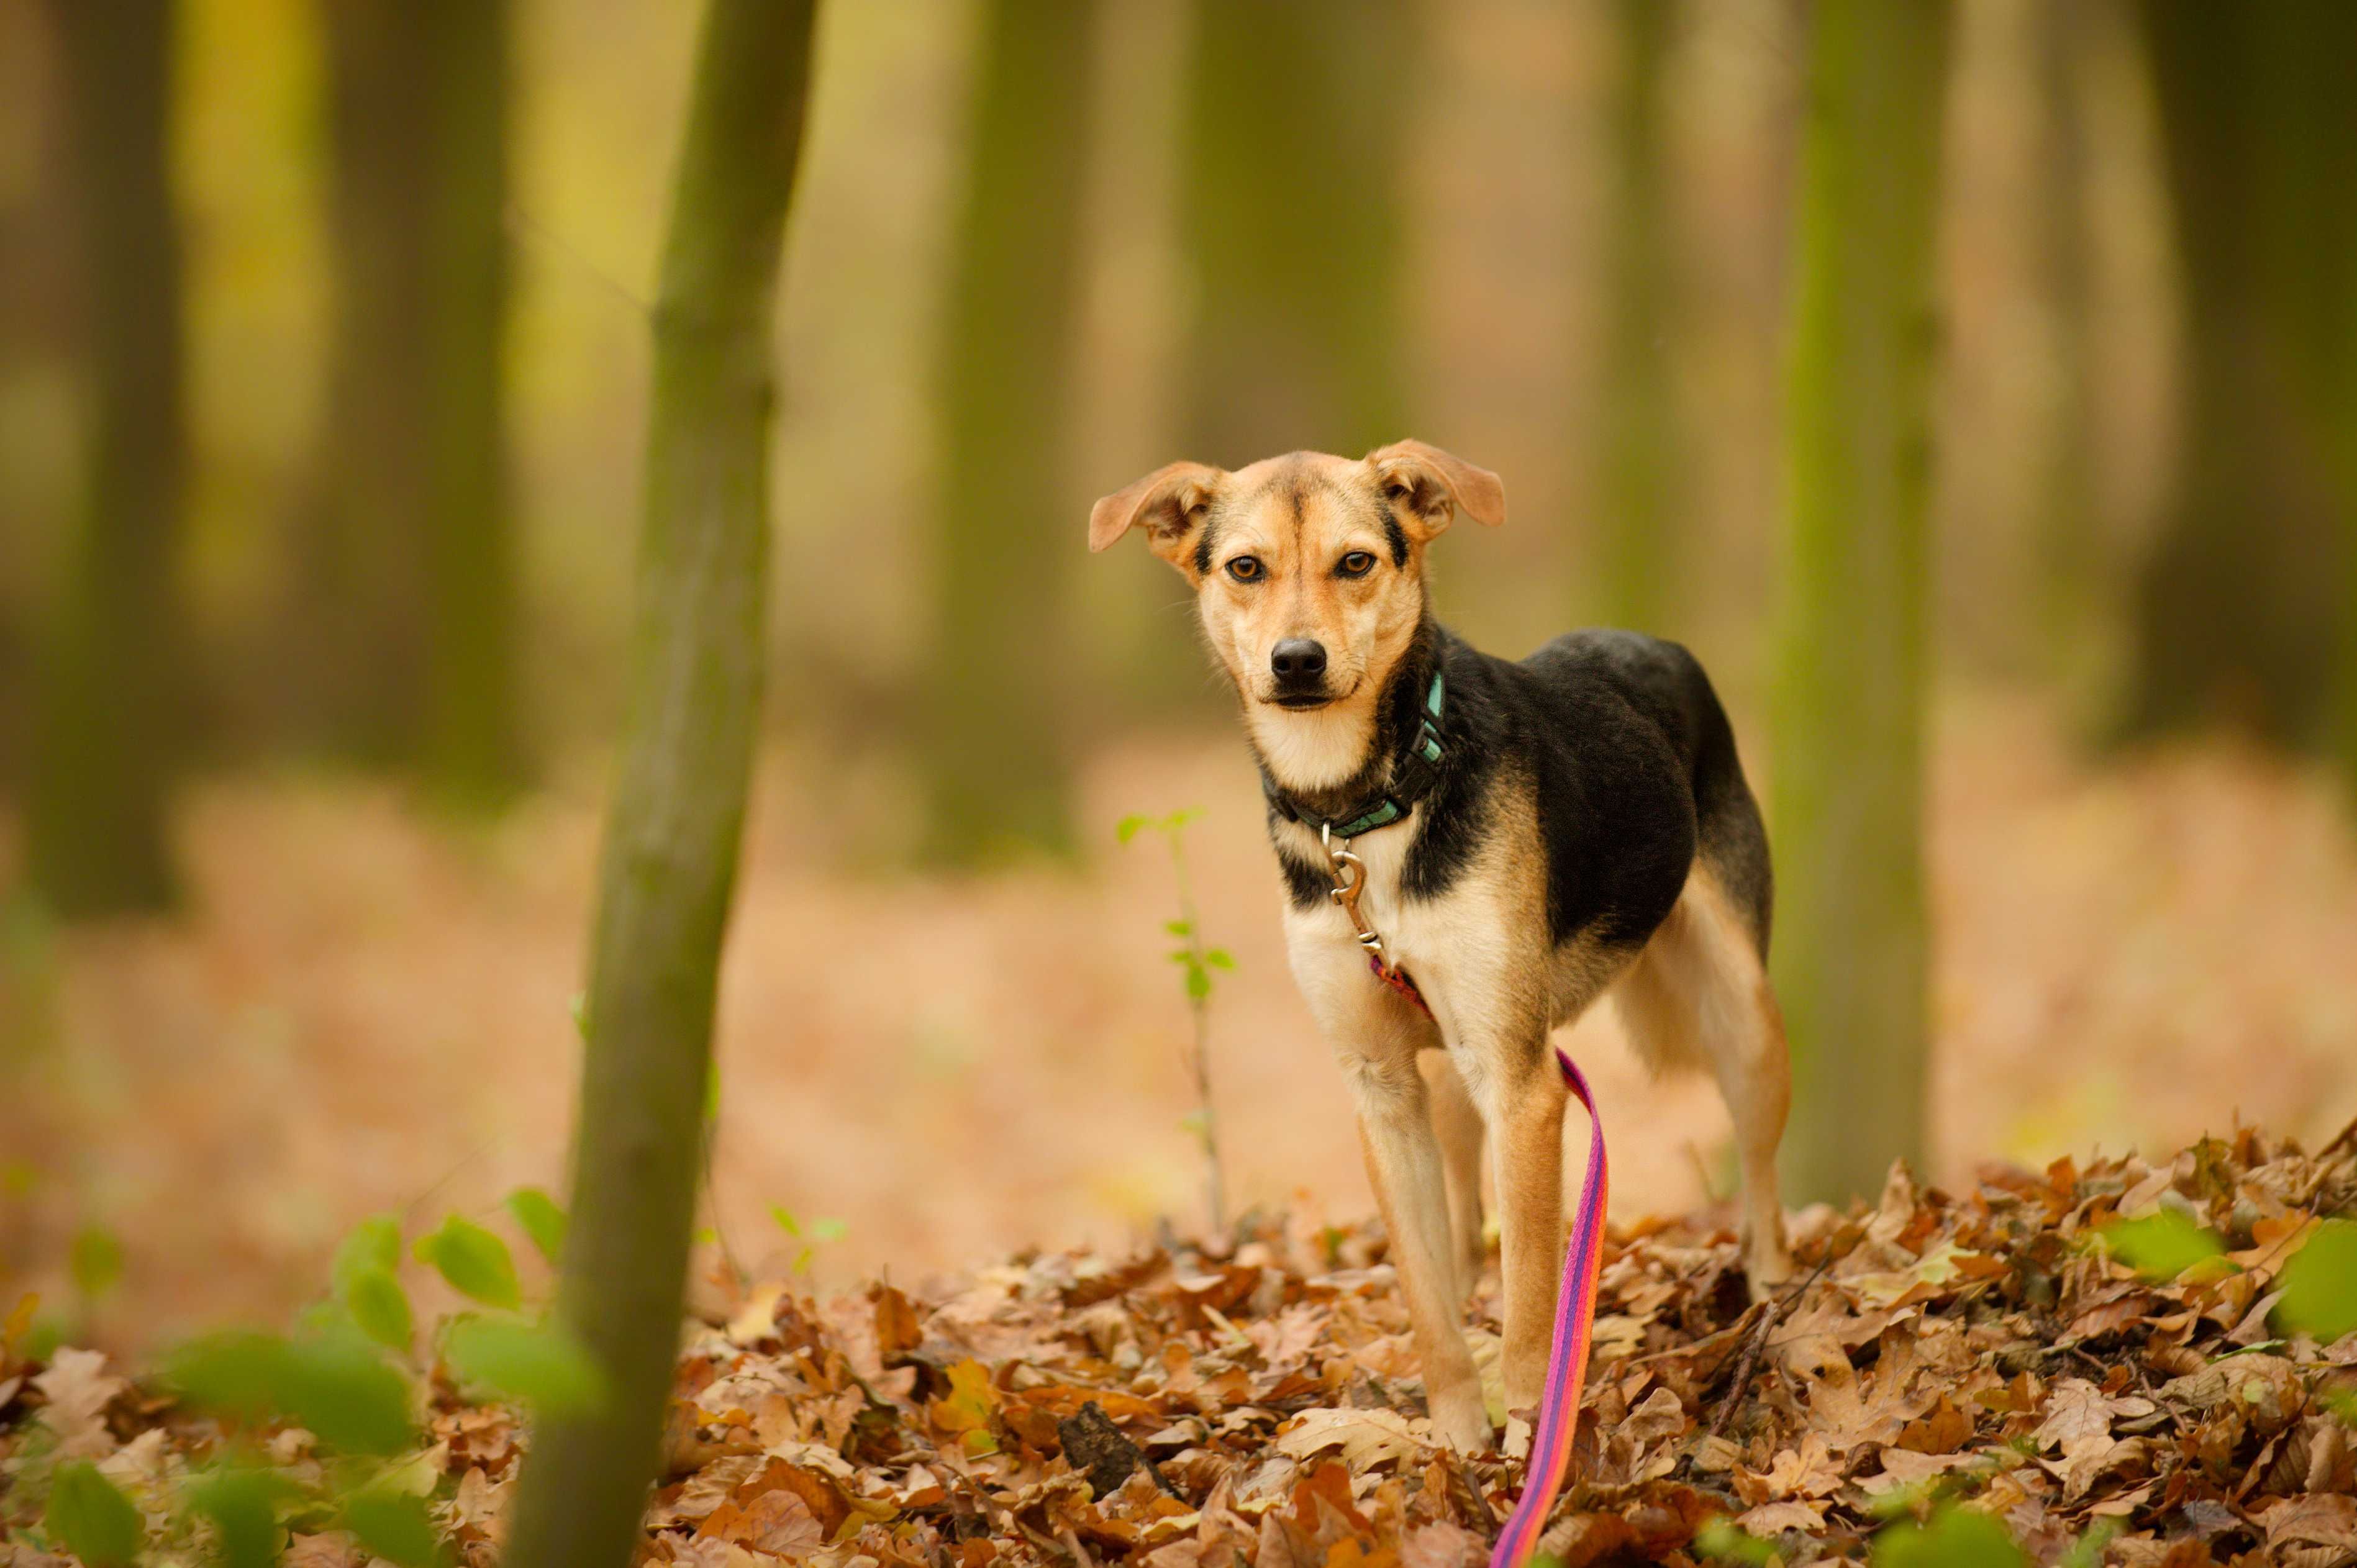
[1574, 1307]
[1575, 1324]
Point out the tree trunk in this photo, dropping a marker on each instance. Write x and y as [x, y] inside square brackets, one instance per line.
[991, 746]
[474, 754]
[671, 833]
[408, 589]
[1848, 752]
[2066, 543]
[105, 737]
[360, 578]
[2236, 606]
[1638, 425]
[1293, 152]
[2308, 188]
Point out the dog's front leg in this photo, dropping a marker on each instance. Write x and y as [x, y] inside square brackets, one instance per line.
[1522, 1097]
[1405, 1167]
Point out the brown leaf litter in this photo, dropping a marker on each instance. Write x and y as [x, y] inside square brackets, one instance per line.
[1257, 1402]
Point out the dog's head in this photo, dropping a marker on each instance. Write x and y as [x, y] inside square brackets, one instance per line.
[1308, 569]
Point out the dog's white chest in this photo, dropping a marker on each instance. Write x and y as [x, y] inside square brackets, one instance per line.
[1449, 944]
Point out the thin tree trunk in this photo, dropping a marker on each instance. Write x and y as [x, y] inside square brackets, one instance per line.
[359, 612]
[669, 863]
[474, 752]
[2066, 552]
[1639, 421]
[1851, 661]
[408, 585]
[105, 736]
[991, 748]
[1292, 182]
[2235, 607]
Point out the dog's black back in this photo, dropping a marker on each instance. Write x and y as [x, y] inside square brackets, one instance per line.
[1629, 762]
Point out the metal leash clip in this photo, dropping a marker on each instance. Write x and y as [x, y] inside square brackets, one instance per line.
[1350, 873]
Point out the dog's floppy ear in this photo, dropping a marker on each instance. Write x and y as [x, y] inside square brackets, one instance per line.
[1429, 486]
[1167, 503]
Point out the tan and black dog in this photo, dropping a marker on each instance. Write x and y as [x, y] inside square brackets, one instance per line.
[1534, 836]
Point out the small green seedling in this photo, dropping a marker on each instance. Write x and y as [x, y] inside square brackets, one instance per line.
[1197, 961]
[809, 1232]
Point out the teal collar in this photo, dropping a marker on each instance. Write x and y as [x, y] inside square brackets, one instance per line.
[1414, 776]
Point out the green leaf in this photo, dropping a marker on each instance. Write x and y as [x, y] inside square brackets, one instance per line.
[541, 1364]
[1219, 958]
[475, 1262]
[2320, 1283]
[243, 1505]
[828, 1229]
[333, 1384]
[1180, 955]
[2163, 1244]
[578, 1008]
[1955, 1538]
[91, 1519]
[373, 1243]
[1199, 981]
[1723, 1540]
[381, 1307]
[1130, 826]
[1180, 928]
[2087, 1551]
[1180, 818]
[95, 1261]
[541, 1219]
[393, 1527]
[337, 1386]
[786, 1220]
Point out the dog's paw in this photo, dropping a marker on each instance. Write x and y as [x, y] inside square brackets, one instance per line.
[1461, 1420]
[1767, 1273]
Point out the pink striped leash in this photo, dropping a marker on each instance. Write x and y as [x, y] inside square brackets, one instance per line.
[1574, 1307]
[1575, 1330]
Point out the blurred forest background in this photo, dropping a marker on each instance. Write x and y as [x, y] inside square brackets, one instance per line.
[323, 366]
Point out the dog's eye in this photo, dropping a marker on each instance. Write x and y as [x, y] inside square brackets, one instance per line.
[1247, 569]
[1357, 563]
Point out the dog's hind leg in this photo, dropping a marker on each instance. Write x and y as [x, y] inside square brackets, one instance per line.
[1698, 995]
[1456, 1122]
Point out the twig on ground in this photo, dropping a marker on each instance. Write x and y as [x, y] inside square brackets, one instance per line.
[1771, 1312]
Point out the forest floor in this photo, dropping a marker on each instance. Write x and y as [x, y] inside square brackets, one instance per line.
[364, 1010]
[2144, 1364]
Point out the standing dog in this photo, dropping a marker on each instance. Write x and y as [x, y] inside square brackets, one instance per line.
[1521, 838]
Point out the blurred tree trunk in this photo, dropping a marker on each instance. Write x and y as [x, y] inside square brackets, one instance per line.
[1639, 424]
[1291, 170]
[2309, 191]
[2236, 606]
[1292, 179]
[1851, 659]
[991, 745]
[669, 862]
[2066, 545]
[110, 683]
[408, 582]
[473, 749]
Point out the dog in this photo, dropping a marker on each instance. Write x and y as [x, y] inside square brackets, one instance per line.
[1520, 839]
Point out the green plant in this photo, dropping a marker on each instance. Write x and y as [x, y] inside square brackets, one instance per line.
[810, 1233]
[1197, 961]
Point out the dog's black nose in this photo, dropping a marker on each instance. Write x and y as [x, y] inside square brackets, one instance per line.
[1298, 660]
